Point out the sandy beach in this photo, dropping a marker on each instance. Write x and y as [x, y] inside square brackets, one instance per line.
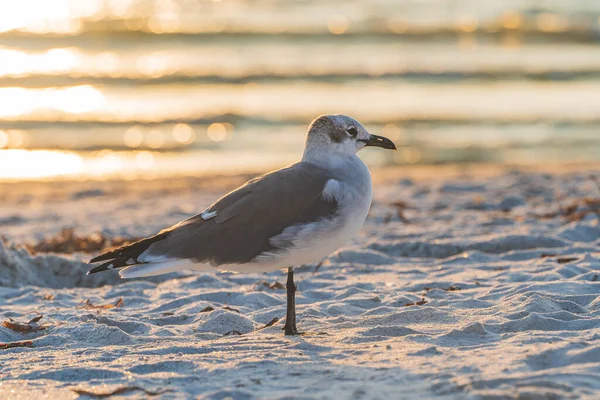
[460, 285]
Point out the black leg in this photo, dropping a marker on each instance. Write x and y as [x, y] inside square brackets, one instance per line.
[290, 318]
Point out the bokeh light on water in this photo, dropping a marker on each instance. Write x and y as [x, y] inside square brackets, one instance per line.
[130, 88]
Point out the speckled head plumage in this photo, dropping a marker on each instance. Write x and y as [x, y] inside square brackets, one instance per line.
[341, 134]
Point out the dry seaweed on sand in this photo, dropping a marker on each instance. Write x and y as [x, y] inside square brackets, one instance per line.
[28, 327]
[591, 202]
[570, 208]
[574, 211]
[87, 304]
[67, 242]
[12, 345]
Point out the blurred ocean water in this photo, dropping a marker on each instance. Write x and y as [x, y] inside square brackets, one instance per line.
[124, 88]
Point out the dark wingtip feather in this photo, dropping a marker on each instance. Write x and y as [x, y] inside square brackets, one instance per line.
[110, 255]
[132, 250]
[106, 256]
[96, 259]
[101, 267]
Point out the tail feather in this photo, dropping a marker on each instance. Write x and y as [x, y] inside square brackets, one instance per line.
[112, 264]
[126, 255]
[126, 260]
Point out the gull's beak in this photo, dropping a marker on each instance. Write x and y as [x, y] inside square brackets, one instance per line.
[379, 141]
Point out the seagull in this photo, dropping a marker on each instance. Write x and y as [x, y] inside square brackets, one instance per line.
[280, 220]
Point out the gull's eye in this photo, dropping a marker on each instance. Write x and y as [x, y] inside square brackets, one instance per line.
[352, 131]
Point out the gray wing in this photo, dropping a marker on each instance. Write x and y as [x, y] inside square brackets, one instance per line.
[245, 221]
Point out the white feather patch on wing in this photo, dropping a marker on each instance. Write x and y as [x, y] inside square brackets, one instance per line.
[152, 269]
[206, 215]
[332, 190]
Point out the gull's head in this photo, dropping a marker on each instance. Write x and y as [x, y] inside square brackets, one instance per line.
[342, 135]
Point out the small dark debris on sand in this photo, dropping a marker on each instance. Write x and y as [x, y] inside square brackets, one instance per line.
[560, 260]
[452, 288]
[270, 323]
[12, 345]
[564, 260]
[546, 255]
[417, 303]
[209, 309]
[276, 285]
[87, 304]
[400, 207]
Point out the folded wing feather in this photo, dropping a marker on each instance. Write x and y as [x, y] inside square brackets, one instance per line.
[246, 219]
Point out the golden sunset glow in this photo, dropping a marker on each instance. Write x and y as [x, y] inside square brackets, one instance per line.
[53, 61]
[133, 137]
[155, 139]
[217, 132]
[135, 85]
[23, 164]
[74, 100]
[144, 160]
[337, 24]
[3, 139]
[183, 133]
[43, 16]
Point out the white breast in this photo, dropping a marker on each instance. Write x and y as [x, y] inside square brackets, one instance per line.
[354, 195]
